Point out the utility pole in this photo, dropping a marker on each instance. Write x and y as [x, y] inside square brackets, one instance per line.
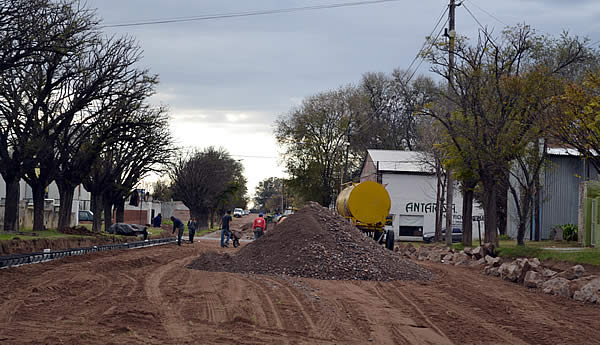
[450, 184]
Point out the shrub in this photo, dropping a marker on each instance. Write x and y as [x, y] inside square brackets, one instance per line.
[569, 232]
[504, 237]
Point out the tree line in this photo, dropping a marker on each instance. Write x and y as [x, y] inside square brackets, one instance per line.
[73, 110]
[509, 97]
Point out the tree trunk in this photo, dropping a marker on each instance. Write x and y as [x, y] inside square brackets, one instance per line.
[501, 204]
[490, 210]
[120, 217]
[449, 201]
[467, 217]
[66, 191]
[439, 209]
[11, 205]
[202, 219]
[39, 192]
[97, 210]
[108, 207]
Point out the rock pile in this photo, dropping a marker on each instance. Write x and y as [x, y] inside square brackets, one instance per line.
[316, 243]
[572, 282]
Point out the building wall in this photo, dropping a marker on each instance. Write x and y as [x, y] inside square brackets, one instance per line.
[413, 203]
[369, 171]
[80, 199]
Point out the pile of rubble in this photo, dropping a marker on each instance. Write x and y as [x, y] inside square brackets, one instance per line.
[315, 242]
[572, 283]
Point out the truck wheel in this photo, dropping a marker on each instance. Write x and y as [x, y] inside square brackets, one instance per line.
[389, 240]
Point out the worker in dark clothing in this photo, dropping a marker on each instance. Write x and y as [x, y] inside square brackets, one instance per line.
[157, 220]
[192, 225]
[225, 229]
[178, 225]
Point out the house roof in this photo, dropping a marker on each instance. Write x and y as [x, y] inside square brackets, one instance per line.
[400, 161]
[561, 151]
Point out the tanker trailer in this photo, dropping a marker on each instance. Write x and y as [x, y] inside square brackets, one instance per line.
[367, 205]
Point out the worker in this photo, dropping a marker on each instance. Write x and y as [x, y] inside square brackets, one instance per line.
[157, 220]
[192, 225]
[259, 226]
[178, 225]
[225, 229]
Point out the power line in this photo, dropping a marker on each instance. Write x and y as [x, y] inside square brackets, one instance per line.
[246, 14]
[430, 46]
[370, 119]
[425, 42]
[488, 13]
[483, 29]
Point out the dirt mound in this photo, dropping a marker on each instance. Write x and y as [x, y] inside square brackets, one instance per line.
[79, 230]
[316, 243]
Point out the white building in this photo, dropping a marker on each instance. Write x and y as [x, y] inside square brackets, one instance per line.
[412, 186]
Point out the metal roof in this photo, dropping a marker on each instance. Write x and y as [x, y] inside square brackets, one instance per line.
[401, 161]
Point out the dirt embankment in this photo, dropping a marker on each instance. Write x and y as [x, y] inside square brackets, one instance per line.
[316, 243]
[20, 246]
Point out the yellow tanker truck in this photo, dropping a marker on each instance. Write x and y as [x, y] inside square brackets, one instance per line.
[367, 205]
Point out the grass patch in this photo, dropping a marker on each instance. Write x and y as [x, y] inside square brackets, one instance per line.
[29, 234]
[584, 256]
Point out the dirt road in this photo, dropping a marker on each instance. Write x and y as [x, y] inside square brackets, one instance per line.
[147, 296]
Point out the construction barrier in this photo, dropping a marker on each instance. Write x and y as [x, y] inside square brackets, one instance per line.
[33, 258]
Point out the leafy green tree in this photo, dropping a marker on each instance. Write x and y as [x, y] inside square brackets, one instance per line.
[269, 193]
[499, 92]
[316, 143]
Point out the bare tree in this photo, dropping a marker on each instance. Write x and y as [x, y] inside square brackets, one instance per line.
[43, 40]
[146, 146]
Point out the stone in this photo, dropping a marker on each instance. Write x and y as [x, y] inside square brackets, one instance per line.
[556, 234]
[511, 272]
[434, 256]
[577, 284]
[478, 253]
[533, 279]
[495, 262]
[574, 272]
[488, 249]
[461, 259]
[535, 261]
[468, 251]
[480, 261]
[548, 273]
[589, 293]
[556, 286]
[448, 257]
[492, 271]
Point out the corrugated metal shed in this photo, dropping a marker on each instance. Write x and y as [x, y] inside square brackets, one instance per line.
[560, 193]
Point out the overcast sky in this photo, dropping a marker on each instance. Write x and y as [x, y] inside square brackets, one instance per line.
[227, 80]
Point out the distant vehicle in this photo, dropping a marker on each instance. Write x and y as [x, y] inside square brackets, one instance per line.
[246, 211]
[86, 216]
[456, 235]
[238, 212]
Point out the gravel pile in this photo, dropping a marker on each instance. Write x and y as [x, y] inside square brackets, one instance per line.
[316, 243]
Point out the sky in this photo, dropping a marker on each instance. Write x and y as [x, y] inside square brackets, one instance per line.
[226, 81]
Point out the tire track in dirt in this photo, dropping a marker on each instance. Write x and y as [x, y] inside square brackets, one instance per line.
[308, 321]
[266, 299]
[172, 322]
[419, 311]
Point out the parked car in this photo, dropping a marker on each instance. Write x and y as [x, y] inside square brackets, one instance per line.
[238, 212]
[456, 235]
[86, 216]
